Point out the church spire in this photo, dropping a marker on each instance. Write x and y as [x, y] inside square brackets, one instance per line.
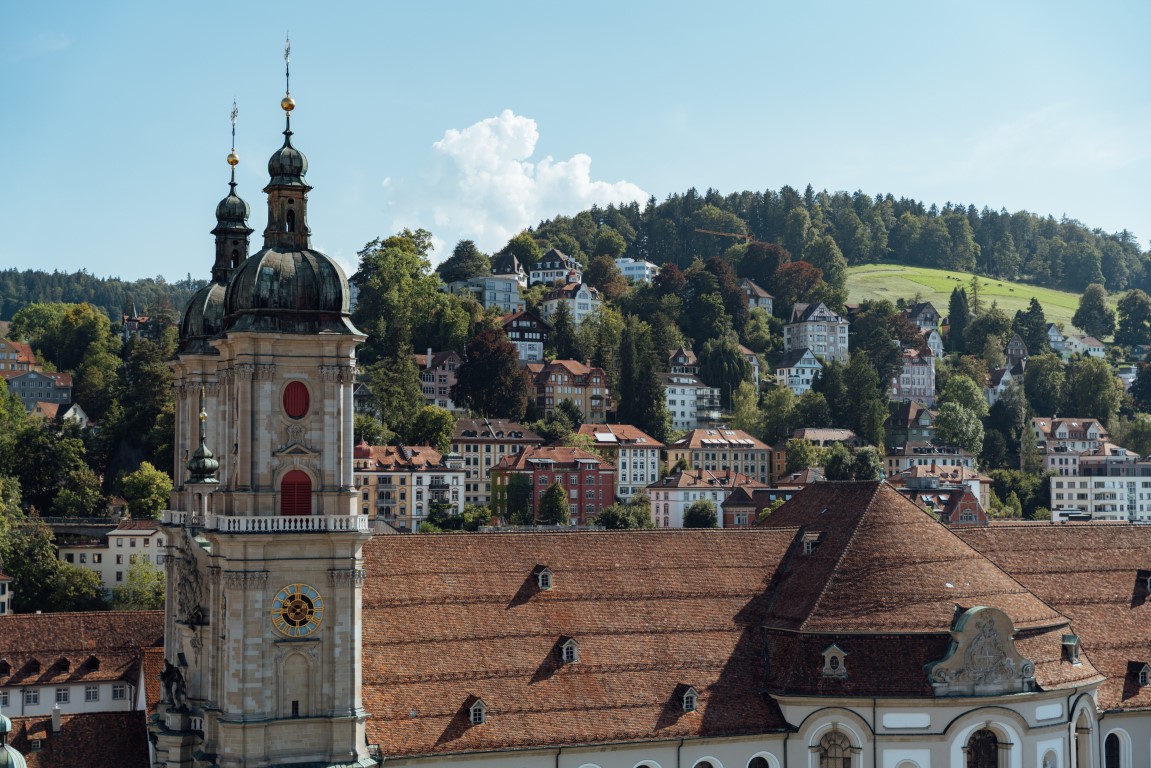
[288, 189]
[203, 464]
[232, 231]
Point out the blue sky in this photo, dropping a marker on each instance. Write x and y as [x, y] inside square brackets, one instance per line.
[474, 120]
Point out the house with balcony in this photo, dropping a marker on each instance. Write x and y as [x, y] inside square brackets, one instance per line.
[555, 266]
[797, 370]
[584, 385]
[721, 449]
[637, 271]
[400, 485]
[528, 333]
[589, 480]
[815, 327]
[916, 379]
[582, 302]
[690, 402]
[437, 377]
[757, 298]
[634, 453]
[482, 443]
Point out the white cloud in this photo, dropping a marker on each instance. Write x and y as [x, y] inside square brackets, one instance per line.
[486, 187]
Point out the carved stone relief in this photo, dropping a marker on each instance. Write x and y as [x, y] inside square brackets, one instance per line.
[982, 660]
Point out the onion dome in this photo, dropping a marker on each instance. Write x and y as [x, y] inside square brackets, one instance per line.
[232, 210]
[299, 291]
[9, 757]
[203, 319]
[287, 166]
[203, 465]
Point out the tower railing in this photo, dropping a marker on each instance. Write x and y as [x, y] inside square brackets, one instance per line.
[268, 524]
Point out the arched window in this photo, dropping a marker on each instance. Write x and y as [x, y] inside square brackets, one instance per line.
[296, 494]
[759, 762]
[1111, 751]
[290, 222]
[834, 750]
[983, 750]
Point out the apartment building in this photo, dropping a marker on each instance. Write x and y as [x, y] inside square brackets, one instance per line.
[815, 327]
[722, 449]
[437, 377]
[130, 543]
[482, 443]
[528, 333]
[400, 484]
[584, 385]
[691, 403]
[634, 453]
[589, 480]
[671, 496]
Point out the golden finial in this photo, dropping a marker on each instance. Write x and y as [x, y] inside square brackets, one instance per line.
[233, 158]
[287, 103]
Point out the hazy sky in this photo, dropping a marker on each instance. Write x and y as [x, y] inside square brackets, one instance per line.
[475, 120]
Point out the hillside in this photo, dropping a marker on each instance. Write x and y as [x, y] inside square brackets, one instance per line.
[894, 281]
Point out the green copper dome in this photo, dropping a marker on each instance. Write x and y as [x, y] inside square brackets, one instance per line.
[232, 210]
[287, 165]
[300, 291]
[203, 319]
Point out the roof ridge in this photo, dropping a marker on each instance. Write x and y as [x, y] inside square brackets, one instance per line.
[842, 553]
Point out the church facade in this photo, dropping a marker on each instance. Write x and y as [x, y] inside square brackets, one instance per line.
[851, 630]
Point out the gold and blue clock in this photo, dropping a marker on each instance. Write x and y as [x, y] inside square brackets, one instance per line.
[297, 610]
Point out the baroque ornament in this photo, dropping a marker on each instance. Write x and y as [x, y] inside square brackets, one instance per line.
[982, 660]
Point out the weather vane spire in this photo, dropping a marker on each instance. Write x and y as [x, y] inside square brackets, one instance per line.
[288, 103]
[233, 158]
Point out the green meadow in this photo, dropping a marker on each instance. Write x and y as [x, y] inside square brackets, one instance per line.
[893, 281]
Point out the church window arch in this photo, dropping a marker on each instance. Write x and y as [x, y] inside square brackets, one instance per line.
[290, 222]
[835, 750]
[982, 749]
[296, 494]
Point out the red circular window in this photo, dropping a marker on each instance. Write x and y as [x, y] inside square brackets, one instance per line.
[296, 400]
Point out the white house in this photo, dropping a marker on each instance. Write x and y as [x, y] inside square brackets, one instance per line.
[815, 327]
[797, 371]
[690, 402]
[634, 452]
[636, 271]
[1083, 345]
[130, 543]
[671, 496]
[583, 301]
[555, 266]
[757, 298]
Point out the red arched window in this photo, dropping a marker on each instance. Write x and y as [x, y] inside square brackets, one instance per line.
[296, 494]
[296, 399]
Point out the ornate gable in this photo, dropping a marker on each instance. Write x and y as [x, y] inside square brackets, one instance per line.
[982, 660]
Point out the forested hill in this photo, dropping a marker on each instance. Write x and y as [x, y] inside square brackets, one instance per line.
[1024, 246]
[151, 296]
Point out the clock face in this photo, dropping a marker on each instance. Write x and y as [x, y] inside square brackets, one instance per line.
[297, 610]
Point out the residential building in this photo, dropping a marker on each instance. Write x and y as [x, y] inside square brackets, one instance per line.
[17, 356]
[1085, 346]
[584, 385]
[5, 593]
[1000, 380]
[815, 327]
[555, 266]
[1068, 435]
[690, 402]
[34, 386]
[437, 377]
[752, 360]
[137, 326]
[528, 333]
[797, 370]
[131, 542]
[672, 495]
[1108, 483]
[508, 264]
[637, 271]
[1015, 351]
[634, 453]
[931, 485]
[77, 689]
[400, 485]
[589, 480]
[910, 422]
[582, 301]
[1127, 373]
[722, 449]
[1055, 339]
[683, 360]
[924, 315]
[933, 340]
[482, 443]
[757, 298]
[501, 292]
[743, 506]
[909, 455]
[916, 379]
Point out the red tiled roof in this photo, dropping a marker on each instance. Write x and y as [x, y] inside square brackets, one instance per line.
[84, 740]
[695, 440]
[46, 409]
[703, 478]
[622, 432]
[495, 430]
[646, 627]
[73, 647]
[560, 454]
[1095, 575]
[393, 457]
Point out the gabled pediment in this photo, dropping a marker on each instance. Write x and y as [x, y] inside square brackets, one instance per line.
[295, 450]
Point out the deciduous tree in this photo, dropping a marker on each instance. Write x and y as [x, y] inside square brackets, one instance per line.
[489, 381]
[1093, 315]
[701, 514]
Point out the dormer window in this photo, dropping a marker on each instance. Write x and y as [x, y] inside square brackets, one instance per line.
[810, 542]
[479, 713]
[1145, 675]
[834, 661]
[690, 700]
[570, 651]
[1071, 648]
[544, 578]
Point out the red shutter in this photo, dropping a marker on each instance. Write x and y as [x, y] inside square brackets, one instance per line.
[296, 399]
[296, 494]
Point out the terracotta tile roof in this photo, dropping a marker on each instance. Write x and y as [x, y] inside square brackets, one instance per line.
[884, 581]
[736, 439]
[622, 433]
[882, 564]
[475, 625]
[561, 455]
[494, 429]
[84, 740]
[138, 525]
[1095, 574]
[824, 437]
[574, 367]
[73, 647]
[703, 478]
[398, 457]
[46, 409]
[438, 359]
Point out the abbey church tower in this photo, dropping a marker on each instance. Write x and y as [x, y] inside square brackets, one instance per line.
[265, 568]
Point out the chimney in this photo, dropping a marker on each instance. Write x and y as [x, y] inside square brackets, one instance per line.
[56, 718]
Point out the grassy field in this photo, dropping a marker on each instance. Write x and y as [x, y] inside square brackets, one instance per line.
[892, 281]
